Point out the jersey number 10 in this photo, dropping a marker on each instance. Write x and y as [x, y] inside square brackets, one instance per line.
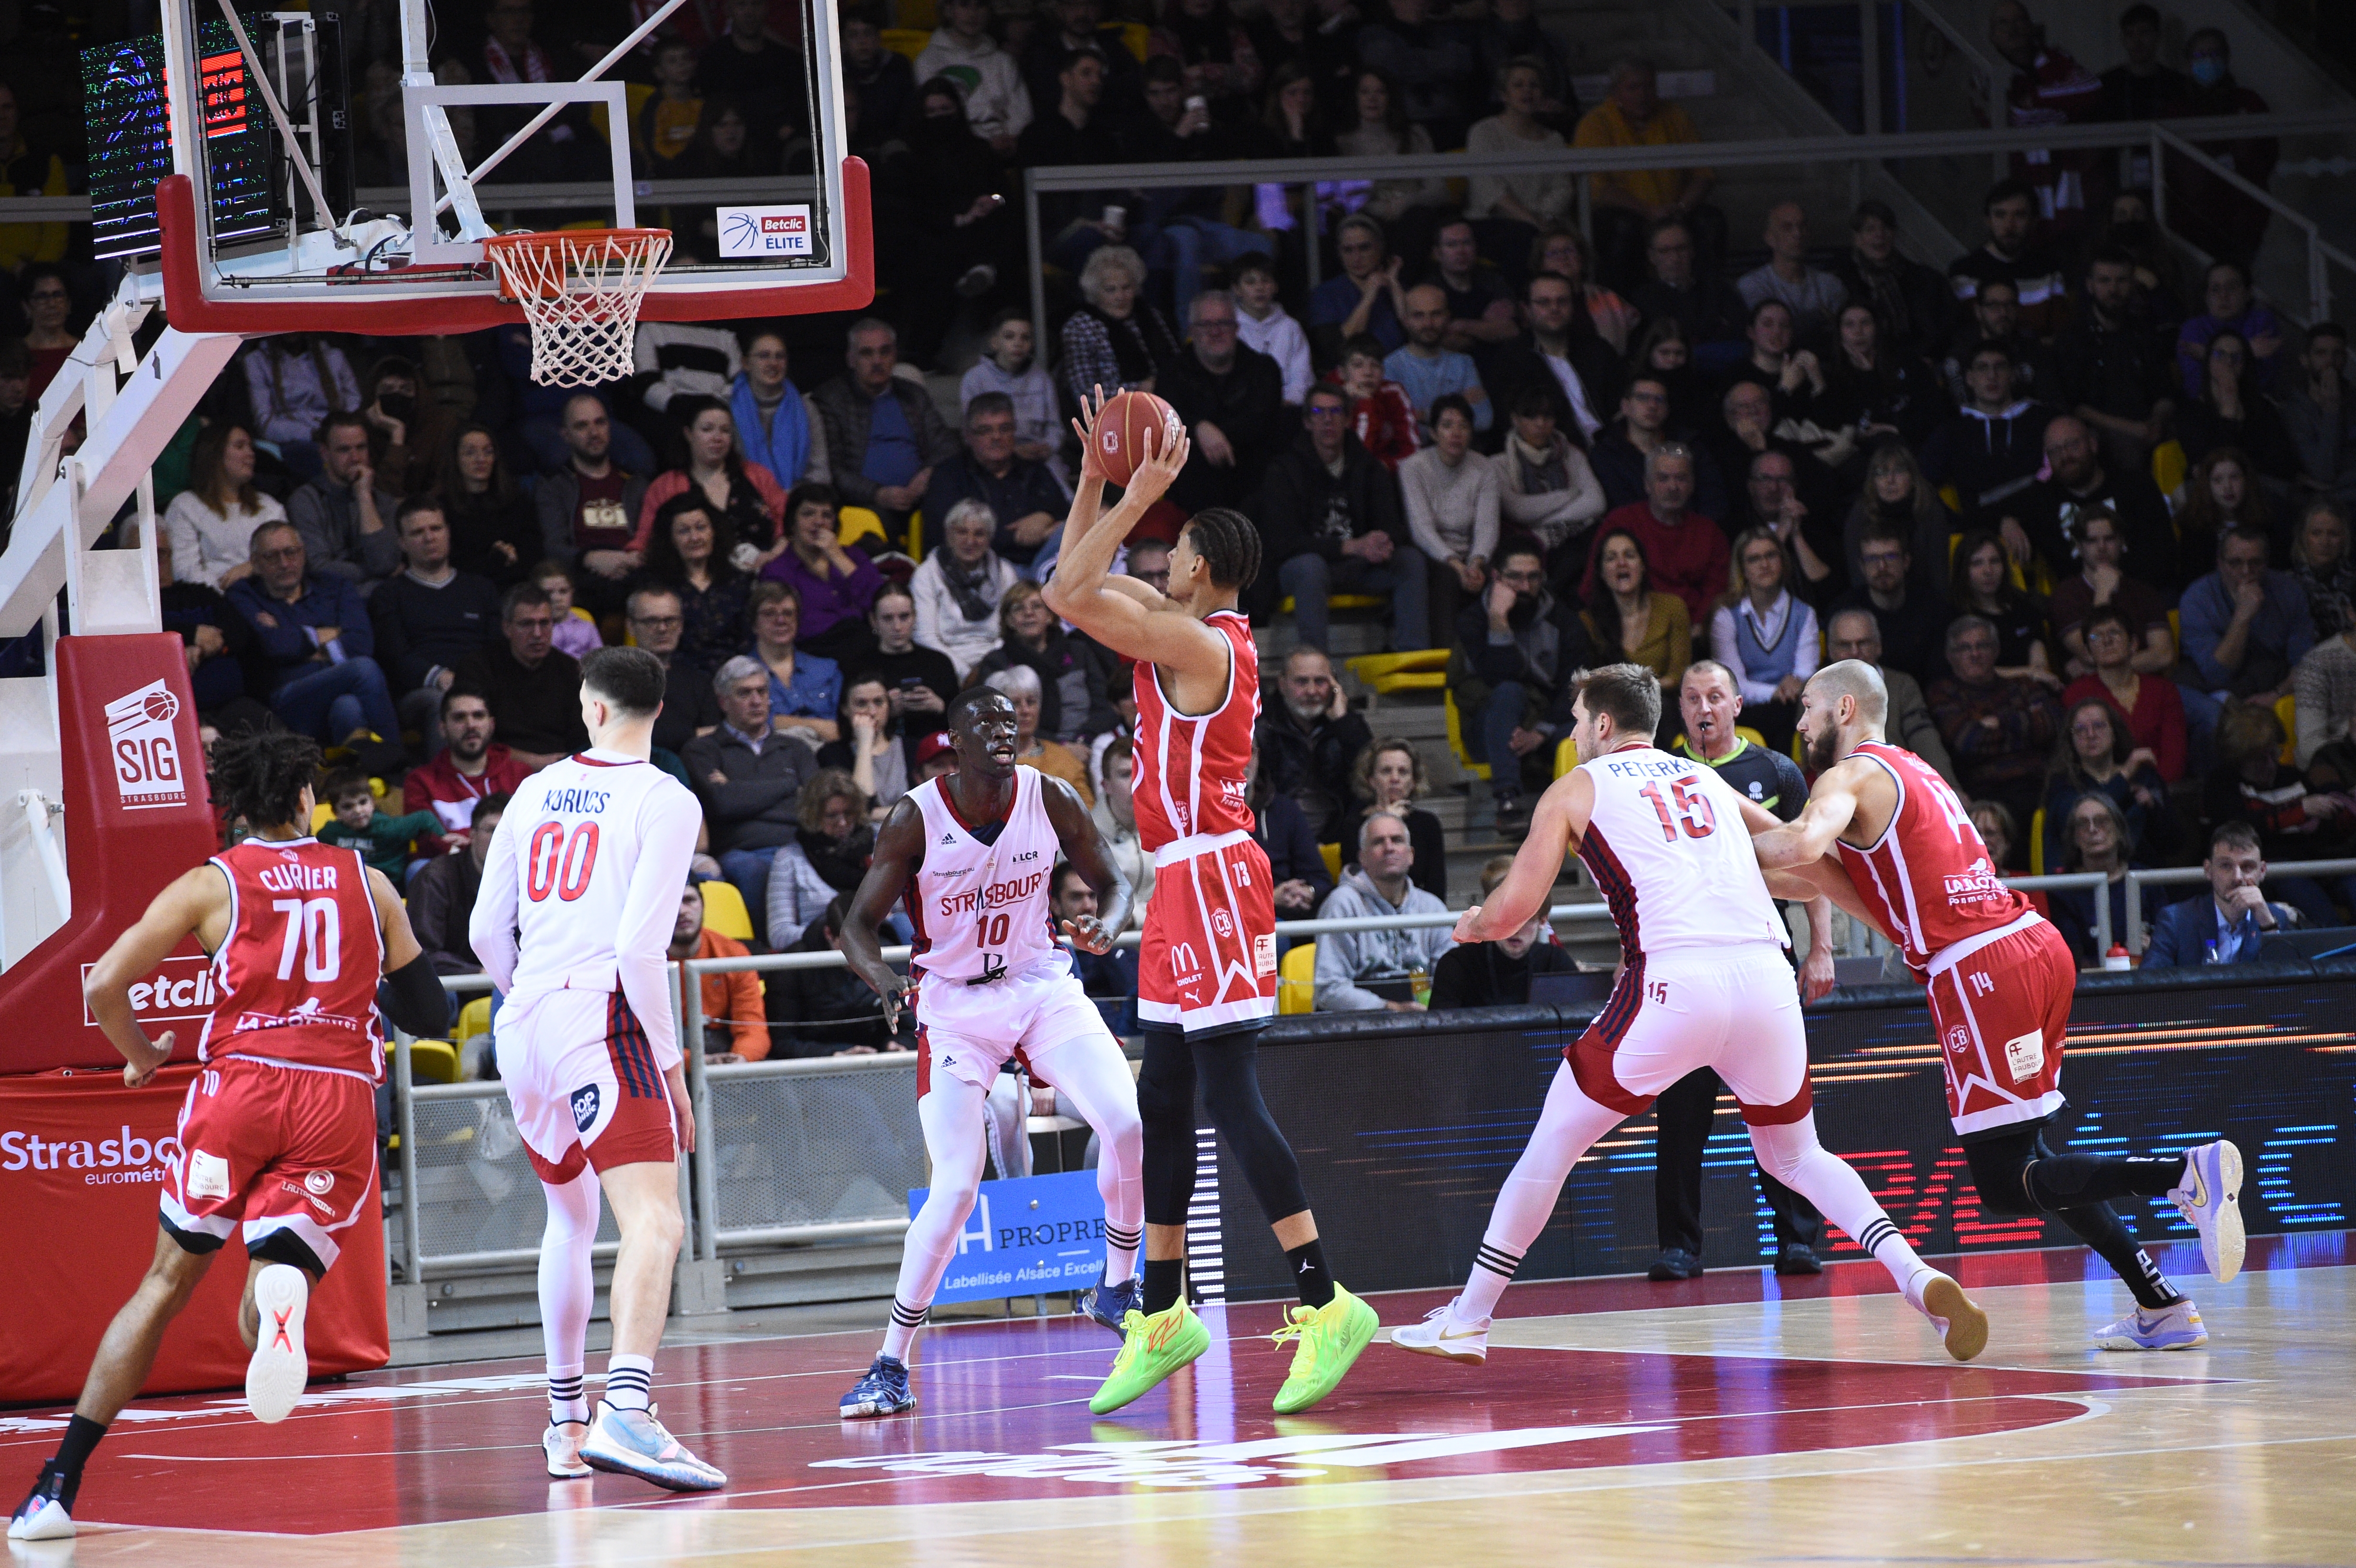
[1693, 811]
[558, 864]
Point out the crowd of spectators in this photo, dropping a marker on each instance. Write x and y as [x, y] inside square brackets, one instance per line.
[2090, 516]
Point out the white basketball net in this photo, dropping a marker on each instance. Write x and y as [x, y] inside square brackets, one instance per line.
[580, 291]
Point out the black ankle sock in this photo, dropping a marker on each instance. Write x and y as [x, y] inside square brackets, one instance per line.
[80, 1441]
[1310, 1276]
[1164, 1278]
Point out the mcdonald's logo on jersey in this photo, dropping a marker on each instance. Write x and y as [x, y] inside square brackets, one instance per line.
[1184, 965]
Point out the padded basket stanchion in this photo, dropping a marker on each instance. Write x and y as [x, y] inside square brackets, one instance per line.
[579, 288]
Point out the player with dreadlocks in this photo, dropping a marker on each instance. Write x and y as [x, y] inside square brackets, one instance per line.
[279, 1131]
[1206, 971]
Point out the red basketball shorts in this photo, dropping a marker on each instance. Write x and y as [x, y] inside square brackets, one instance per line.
[1999, 1002]
[582, 1080]
[280, 1148]
[1735, 1009]
[1207, 962]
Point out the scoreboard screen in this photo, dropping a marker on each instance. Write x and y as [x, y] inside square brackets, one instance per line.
[125, 104]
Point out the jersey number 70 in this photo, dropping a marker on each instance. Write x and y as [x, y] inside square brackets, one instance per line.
[557, 864]
[1693, 810]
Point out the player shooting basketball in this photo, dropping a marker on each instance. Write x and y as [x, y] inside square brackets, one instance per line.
[1206, 970]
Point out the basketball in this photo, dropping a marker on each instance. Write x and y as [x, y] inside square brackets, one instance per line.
[1121, 428]
[160, 707]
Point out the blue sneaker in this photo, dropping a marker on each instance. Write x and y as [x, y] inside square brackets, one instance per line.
[1111, 1305]
[2210, 1196]
[883, 1391]
[633, 1442]
[2176, 1327]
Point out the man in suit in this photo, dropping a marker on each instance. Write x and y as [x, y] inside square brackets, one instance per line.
[2229, 927]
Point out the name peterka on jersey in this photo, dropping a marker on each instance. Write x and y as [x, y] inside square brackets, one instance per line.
[996, 896]
[1639, 768]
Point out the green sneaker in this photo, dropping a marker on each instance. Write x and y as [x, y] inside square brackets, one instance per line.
[1152, 1348]
[1331, 1337]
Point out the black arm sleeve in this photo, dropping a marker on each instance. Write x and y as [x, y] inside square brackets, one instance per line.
[413, 998]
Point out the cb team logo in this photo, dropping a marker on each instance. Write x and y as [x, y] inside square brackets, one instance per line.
[1959, 1040]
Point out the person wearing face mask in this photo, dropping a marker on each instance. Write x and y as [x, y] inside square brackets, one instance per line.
[1497, 974]
[2218, 217]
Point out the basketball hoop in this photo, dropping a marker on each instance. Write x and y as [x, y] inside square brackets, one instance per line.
[580, 290]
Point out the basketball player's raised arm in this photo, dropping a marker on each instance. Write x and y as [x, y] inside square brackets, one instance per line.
[412, 996]
[1088, 502]
[899, 853]
[667, 822]
[1555, 828]
[195, 896]
[1131, 619]
[491, 929]
[1085, 847]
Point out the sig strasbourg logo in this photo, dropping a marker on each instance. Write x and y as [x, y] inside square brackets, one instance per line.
[143, 750]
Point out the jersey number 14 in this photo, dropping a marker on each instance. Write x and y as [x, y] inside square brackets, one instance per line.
[1691, 810]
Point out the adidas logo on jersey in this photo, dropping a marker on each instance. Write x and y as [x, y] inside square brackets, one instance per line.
[948, 838]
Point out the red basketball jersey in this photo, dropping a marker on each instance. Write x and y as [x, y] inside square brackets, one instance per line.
[1190, 769]
[298, 971]
[1928, 877]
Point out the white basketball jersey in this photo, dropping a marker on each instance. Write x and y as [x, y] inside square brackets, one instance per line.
[1667, 847]
[983, 908]
[582, 885]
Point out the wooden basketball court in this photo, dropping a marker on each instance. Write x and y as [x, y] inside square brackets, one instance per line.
[1733, 1419]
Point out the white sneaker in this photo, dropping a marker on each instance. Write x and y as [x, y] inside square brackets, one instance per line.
[1961, 1324]
[41, 1518]
[276, 1376]
[2176, 1328]
[2210, 1196]
[633, 1442]
[1442, 1333]
[562, 1444]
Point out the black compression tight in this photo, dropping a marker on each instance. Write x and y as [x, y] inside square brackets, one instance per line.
[2015, 1173]
[1226, 1067]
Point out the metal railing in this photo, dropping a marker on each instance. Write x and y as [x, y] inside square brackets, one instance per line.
[2176, 875]
[1798, 150]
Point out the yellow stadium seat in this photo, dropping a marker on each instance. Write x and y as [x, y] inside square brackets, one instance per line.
[1332, 854]
[2037, 843]
[724, 910]
[855, 523]
[2286, 709]
[907, 41]
[1745, 732]
[430, 1060]
[322, 815]
[916, 538]
[475, 1018]
[1423, 670]
[1456, 741]
[1296, 987]
[1137, 36]
[1339, 601]
[921, 14]
[1565, 756]
[2169, 466]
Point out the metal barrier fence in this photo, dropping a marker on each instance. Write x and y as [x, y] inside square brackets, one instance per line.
[2140, 880]
[788, 1152]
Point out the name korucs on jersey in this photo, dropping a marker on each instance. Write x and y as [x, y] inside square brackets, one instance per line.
[995, 896]
[578, 802]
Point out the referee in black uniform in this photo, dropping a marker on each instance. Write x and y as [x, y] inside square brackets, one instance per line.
[1710, 704]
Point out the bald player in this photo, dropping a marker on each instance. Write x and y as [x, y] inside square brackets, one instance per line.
[1886, 838]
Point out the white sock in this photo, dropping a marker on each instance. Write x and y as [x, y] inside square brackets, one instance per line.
[902, 1331]
[629, 1381]
[1567, 1129]
[566, 1400]
[1794, 1156]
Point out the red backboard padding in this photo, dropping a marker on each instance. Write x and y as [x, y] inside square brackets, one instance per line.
[138, 813]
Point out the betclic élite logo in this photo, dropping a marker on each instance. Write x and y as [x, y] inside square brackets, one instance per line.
[765, 233]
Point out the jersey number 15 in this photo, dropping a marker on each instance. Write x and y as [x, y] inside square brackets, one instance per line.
[1692, 810]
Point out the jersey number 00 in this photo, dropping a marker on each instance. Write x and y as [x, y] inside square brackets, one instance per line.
[558, 864]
